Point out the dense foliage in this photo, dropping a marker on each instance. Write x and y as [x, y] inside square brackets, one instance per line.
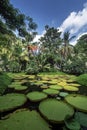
[82, 79]
[53, 52]
[5, 80]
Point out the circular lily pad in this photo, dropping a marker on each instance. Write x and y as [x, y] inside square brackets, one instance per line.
[24, 120]
[77, 101]
[36, 96]
[50, 91]
[74, 84]
[62, 84]
[72, 124]
[81, 118]
[55, 111]
[18, 87]
[57, 87]
[63, 94]
[70, 88]
[11, 101]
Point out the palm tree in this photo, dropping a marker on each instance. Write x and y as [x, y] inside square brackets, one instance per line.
[66, 48]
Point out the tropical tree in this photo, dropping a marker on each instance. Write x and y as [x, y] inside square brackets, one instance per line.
[66, 49]
[50, 43]
[81, 46]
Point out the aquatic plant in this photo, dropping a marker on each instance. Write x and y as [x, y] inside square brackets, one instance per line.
[77, 101]
[11, 101]
[36, 96]
[50, 91]
[24, 120]
[70, 88]
[55, 111]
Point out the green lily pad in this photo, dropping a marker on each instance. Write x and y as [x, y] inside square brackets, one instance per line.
[24, 120]
[44, 86]
[55, 111]
[74, 84]
[11, 101]
[57, 87]
[63, 94]
[70, 88]
[36, 96]
[72, 124]
[18, 87]
[50, 91]
[77, 101]
[81, 118]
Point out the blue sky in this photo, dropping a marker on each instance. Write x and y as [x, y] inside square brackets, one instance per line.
[63, 14]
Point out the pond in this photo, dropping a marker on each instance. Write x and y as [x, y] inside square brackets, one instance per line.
[50, 99]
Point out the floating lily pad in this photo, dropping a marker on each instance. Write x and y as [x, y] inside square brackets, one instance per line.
[57, 87]
[55, 111]
[11, 101]
[81, 118]
[77, 101]
[63, 94]
[18, 87]
[52, 82]
[62, 84]
[50, 91]
[72, 124]
[70, 88]
[74, 84]
[24, 120]
[36, 96]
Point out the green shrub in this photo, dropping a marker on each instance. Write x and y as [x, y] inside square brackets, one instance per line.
[82, 79]
[5, 80]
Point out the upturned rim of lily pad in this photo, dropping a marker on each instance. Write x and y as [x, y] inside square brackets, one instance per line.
[25, 120]
[11, 101]
[71, 88]
[50, 91]
[55, 111]
[36, 96]
[77, 101]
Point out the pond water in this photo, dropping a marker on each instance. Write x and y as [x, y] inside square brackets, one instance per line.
[35, 85]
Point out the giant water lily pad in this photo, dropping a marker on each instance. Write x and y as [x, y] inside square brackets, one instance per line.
[36, 96]
[74, 84]
[72, 124]
[24, 120]
[50, 91]
[54, 110]
[57, 87]
[81, 118]
[63, 94]
[11, 101]
[18, 87]
[62, 84]
[70, 88]
[77, 101]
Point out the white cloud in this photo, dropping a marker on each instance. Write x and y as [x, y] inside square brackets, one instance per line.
[76, 21]
[78, 36]
[36, 39]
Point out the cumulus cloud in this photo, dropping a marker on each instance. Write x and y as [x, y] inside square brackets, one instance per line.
[36, 39]
[75, 22]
